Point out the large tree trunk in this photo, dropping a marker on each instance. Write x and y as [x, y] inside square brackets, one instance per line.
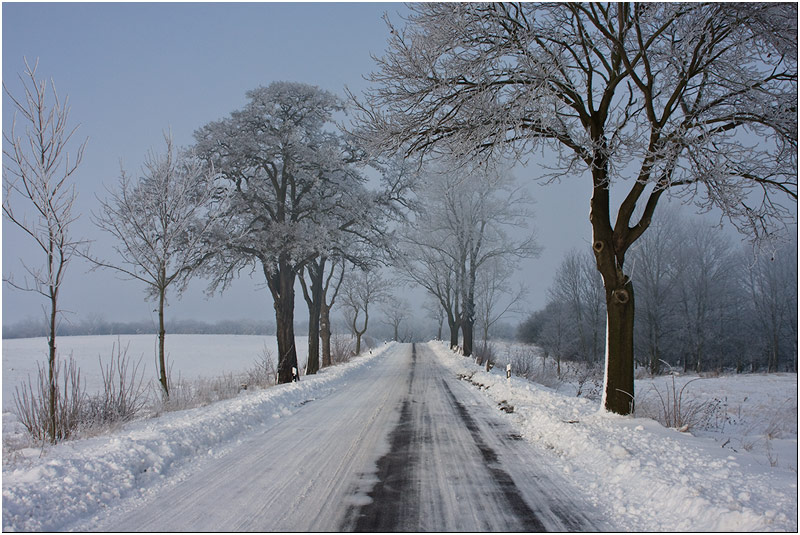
[281, 285]
[467, 333]
[609, 246]
[314, 299]
[618, 392]
[325, 333]
[453, 332]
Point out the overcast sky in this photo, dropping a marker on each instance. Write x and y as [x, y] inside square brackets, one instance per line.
[133, 70]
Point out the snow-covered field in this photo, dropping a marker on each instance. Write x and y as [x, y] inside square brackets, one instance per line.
[77, 480]
[191, 356]
[651, 478]
[640, 475]
[754, 413]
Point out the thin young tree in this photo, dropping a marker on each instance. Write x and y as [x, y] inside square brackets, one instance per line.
[330, 291]
[162, 226]
[693, 99]
[658, 275]
[361, 289]
[396, 310]
[436, 313]
[495, 297]
[39, 197]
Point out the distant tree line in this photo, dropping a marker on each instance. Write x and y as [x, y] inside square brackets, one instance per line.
[90, 327]
[705, 306]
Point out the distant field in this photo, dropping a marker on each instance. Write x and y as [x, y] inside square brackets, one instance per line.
[191, 356]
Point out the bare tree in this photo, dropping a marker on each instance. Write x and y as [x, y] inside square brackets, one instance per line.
[463, 222]
[495, 297]
[695, 99]
[356, 221]
[162, 225]
[282, 164]
[361, 289]
[433, 269]
[578, 285]
[706, 293]
[38, 170]
[396, 310]
[330, 291]
[436, 313]
[657, 272]
[771, 283]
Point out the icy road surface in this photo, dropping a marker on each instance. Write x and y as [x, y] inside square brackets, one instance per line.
[404, 446]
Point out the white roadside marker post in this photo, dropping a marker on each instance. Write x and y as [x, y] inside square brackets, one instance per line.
[508, 371]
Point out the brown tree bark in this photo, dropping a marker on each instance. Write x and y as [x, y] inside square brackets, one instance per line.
[453, 323]
[467, 335]
[610, 245]
[314, 297]
[281, 285]
[325, 333]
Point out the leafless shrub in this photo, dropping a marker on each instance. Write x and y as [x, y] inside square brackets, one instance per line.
[523, 361]
[342, 349]
[186, 394]
[528, 362]
[124, 394]
[675, 408]
[262, 374]
[485, 354]
[32, 403]
[586, 378]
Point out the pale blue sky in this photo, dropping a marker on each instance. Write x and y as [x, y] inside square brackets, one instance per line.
[132, 70]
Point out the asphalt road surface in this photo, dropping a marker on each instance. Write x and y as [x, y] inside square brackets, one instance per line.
[404, 446]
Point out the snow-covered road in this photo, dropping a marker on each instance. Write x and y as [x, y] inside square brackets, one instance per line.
[404, 446]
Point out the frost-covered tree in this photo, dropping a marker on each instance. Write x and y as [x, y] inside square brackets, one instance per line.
[420, 262]
[396, 310]
[361, 289]
[330, 291]
[578, 286]
[436, 313]
[771, 285]
[463, 222]
[494, 295]
[283, 163]
[358, 222]
[657, 274]
[162, 226]
[698, 100]
[38, 197]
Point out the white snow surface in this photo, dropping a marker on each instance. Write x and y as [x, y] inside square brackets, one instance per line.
[190, 355]
[640, 474]
[54, 489]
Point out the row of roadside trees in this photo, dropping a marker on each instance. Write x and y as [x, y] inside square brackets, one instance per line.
[711, 306]
[274, 187]
[647, 98]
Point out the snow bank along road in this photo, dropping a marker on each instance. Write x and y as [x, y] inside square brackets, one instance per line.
[403, 446]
